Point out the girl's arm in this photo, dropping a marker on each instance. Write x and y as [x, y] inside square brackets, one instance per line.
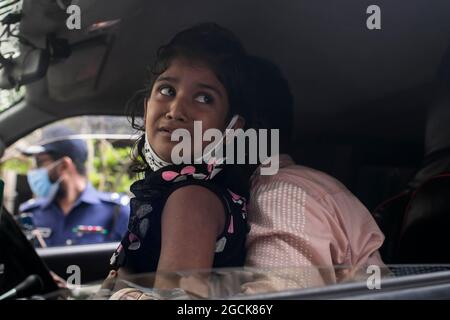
[192, 219]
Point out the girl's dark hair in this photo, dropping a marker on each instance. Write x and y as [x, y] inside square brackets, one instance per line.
[209, 44]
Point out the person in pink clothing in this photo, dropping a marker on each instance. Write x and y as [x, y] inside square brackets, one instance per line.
[306, 228]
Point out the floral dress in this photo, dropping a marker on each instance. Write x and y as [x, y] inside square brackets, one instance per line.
[140, 248]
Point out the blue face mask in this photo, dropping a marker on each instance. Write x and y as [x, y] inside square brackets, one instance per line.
[40, 183]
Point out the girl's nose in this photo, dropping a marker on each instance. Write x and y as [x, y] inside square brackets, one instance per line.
[177, 110]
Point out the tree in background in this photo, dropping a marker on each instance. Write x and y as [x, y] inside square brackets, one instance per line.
[109, 167]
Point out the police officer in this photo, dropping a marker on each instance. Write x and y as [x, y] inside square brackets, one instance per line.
[68, 209]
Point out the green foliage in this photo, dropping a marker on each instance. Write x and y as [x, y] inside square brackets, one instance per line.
[108, 166]
[19, 165]
[109, 170]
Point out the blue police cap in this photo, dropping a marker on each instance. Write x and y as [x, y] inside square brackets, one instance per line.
[60, 141]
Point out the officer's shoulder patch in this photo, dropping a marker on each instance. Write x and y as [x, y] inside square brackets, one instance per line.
[31, 204]
[115, 198]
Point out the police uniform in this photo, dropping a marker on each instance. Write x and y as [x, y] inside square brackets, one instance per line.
[95, 217]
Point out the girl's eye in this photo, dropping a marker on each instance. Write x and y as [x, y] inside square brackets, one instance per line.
[204, 98]
[167, 91]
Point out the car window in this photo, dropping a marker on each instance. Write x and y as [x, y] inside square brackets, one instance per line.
[248, 283]
[9, 98]
[9, 49]
[109, 141]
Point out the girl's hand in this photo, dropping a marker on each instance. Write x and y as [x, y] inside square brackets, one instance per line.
[110, 281]
[107, 286]
[133, 294]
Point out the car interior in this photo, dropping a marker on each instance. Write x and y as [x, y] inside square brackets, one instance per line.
[364, 99]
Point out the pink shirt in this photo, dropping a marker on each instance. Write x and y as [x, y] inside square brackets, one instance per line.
[307, 229]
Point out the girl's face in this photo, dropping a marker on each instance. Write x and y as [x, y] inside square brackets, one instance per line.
[184, 93]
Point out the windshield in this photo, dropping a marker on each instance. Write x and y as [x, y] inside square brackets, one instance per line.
[242, 283]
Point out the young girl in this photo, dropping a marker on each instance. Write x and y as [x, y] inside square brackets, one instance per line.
[188, 216]
[300, 218]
